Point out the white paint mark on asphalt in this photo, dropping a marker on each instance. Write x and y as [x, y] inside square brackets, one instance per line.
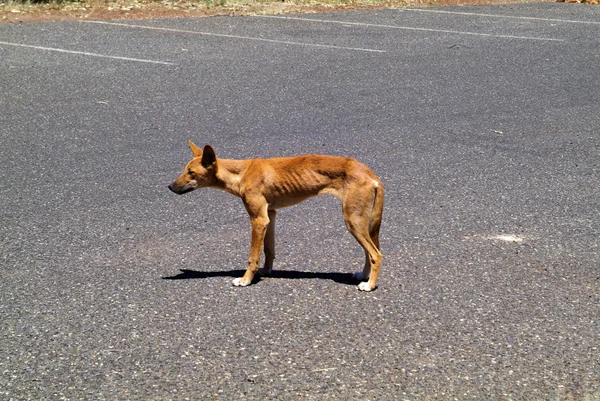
[507, 238]
[500, 237]
[503, 16]
[408, 28]
[324, 370]
[52, 49]
[221, 35]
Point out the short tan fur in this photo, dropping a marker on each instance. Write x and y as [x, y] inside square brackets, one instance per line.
[265, 185]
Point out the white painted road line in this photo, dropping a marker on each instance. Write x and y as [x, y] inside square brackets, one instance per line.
[52, 49]
[407, 28]
[221, 35]
[502, 16]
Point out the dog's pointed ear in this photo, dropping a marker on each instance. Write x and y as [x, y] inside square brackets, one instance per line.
[195, 149]
[209, 156]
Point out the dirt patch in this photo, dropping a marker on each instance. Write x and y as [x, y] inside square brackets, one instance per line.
[16, 12]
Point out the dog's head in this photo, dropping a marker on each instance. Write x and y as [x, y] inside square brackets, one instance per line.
[199, 172]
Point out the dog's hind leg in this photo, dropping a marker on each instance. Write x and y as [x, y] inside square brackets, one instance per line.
[358, 209]
[365, 274]
[373, 259]
[376, 214]
[269, 245]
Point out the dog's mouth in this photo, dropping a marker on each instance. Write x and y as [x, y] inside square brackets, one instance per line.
[181, 191]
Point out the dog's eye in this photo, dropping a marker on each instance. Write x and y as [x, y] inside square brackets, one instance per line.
[190, 172]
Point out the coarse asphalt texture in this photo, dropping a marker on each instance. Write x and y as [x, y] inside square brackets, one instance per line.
[483, 123]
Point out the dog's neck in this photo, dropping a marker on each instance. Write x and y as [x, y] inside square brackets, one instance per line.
[229, 175]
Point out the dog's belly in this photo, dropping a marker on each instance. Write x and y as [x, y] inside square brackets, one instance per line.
[287, 201]
[279, 202]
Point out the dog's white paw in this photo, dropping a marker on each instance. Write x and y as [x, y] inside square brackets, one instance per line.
[239, 282]
[359, 276]
[364, 286]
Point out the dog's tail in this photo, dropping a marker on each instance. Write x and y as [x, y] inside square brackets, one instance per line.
[376, 212]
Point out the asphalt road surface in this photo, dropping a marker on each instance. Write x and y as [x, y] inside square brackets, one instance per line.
[483, 123]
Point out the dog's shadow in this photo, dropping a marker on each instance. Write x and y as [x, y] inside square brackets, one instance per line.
[342, 278]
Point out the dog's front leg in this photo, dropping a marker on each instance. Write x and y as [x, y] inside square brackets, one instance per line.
[269, 245]
[260, 221]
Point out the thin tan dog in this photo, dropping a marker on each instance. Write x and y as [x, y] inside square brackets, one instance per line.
[265, 185]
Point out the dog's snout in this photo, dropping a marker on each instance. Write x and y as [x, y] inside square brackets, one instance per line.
[179, 190]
